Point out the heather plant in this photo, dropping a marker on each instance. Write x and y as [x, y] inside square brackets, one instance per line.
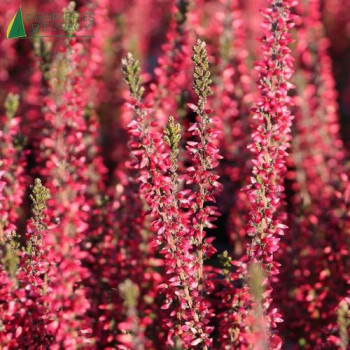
[195, 198]
[318, 161]
[13, 163]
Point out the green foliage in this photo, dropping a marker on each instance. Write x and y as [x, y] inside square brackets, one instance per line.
[39, 196]
[10, 258]
[344, 323]
[225, 262]
[201, 75]
[129, 293]
[181, 14]
[70, 18]
[11, 105]
[131, 69]
[19, 141]
[302, 342]
[256, 279]
[42, 50]
[172, 135]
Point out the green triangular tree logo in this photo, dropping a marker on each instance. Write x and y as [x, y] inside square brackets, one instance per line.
[16, 27]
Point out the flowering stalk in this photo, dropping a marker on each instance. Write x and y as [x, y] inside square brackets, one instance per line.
[142, 169]
[271, 137]
[205, 156]
[63, 151]
[155, 187]
[8, 268]
[175, 237]
[12, 164]
[235, 307]
[173, 74]
[344, 323]
[27, 308]
[161, 194]
[99, 241]
[133, 336]
[39, 197]
[233, 94]
[318, 160]
[259, 335]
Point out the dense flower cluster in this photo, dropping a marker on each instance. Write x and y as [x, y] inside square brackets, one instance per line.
[270, 140]
[168, 181]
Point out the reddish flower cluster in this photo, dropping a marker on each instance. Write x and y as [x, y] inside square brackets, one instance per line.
[271, 138]
[318, 161]
[13, 164]
[159, 186]
[175, 203]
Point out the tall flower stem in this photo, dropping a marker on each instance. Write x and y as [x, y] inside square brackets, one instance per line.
[270, 141]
